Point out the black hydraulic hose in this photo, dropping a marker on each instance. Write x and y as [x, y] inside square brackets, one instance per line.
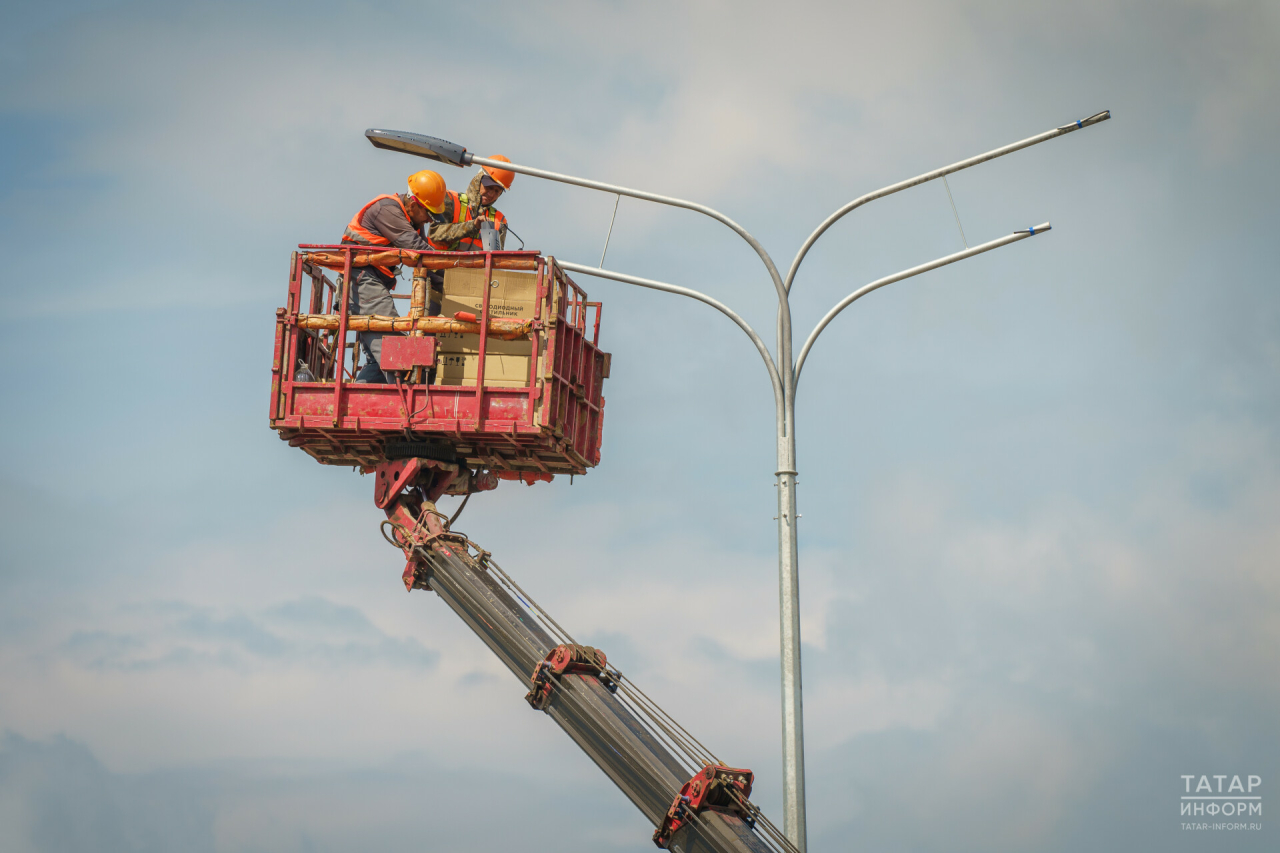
[458, 511]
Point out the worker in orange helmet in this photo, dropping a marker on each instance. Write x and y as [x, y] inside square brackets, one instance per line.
[397, 221]
[465, 212]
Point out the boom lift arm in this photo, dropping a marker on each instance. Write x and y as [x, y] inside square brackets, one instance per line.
[695, 802]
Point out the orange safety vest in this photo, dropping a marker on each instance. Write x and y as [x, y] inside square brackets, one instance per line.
[357, 233]
[469, 244]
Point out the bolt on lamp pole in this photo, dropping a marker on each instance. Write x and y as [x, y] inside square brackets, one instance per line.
[783, 373]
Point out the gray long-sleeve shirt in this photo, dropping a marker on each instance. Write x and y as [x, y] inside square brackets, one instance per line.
[386, 218]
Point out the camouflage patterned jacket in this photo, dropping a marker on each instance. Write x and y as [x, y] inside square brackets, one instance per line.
[449, 232]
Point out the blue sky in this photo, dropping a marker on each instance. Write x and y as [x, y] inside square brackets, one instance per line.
[1040, 488]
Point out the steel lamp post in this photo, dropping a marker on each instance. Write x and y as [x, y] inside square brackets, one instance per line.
[784, 372]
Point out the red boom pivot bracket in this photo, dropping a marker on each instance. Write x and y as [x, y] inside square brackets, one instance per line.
[721, 789]
[567, 659]
[435, 477]
[412, 514]
[392, 478]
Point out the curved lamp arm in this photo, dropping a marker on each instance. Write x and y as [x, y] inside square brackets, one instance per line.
[1069, 127]
[908, 273]
[774, 378]
[784, 307]
[646, 196]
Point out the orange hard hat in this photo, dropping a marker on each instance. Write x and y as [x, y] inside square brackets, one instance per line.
[502, 176]
[428, 188]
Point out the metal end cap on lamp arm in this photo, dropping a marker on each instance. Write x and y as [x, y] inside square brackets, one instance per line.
[1085, 122]
[419, 145]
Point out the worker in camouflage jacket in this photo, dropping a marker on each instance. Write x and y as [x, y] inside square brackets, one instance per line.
[459, 230]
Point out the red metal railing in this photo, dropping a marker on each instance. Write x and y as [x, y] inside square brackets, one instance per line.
[550, 425]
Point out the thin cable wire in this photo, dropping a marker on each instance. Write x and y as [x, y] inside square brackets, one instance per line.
[697, 758]
[663, 734]
[656, 709]
[773, 836]
[765, 829]
[533, 604]
[676, 734]
[505, 630]
[632, 685]
[689, 762]
[653, 714]
[682, 745]
[691, 746]
[768, 832]
[963, 239]
[553, 629]
[616, 201]
[760, 818]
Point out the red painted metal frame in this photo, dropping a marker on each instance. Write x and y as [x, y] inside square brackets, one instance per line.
[714, 787]
[552, 425]
[567, 659]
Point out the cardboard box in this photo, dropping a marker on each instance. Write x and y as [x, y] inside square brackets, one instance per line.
[500, 371]
[471, 344]
[511, 294]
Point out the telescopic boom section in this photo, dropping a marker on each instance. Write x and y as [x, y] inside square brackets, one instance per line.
[695, 802]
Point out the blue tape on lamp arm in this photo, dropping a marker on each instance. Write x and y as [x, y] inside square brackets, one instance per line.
[1032, 229]
[1078, 124]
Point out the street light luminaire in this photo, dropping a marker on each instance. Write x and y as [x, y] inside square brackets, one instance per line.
[419, 145]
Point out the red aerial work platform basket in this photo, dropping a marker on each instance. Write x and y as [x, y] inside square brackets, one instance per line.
[511, 381]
